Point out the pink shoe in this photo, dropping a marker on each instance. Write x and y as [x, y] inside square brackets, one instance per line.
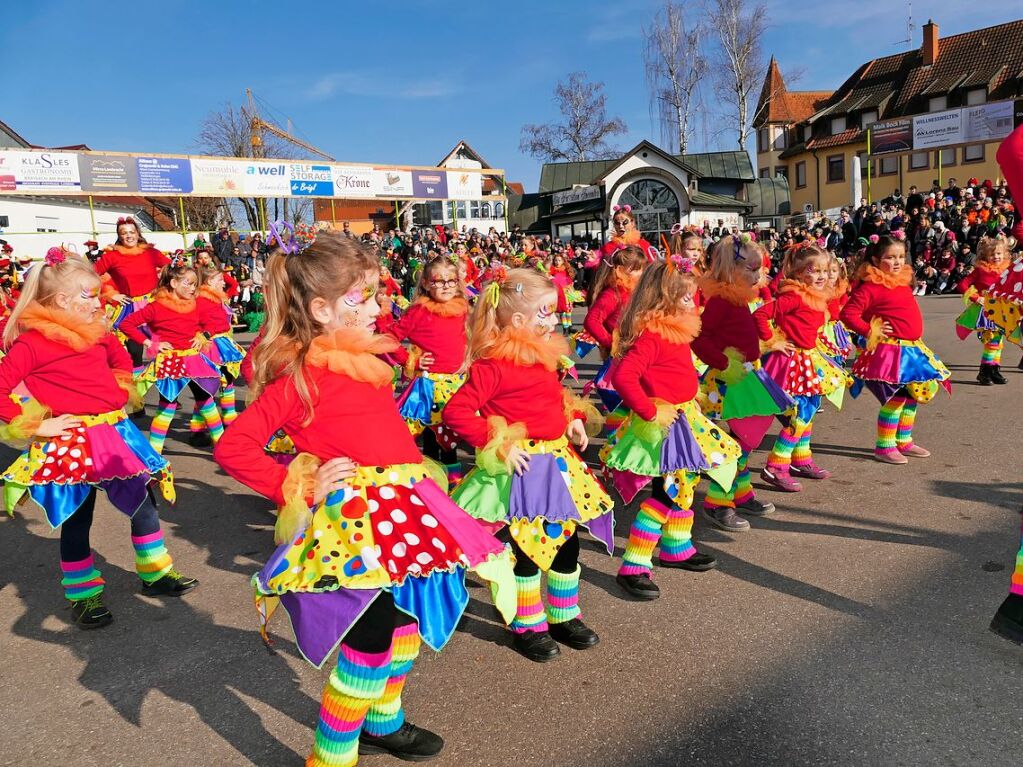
[913, 450]
[780, 479]
[809, 471]
[890, 455]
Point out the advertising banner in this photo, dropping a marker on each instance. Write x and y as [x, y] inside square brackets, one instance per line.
[938, 130]
[164, 175]
[266, 179]
[889, 136]
[392, 182]
[464, 185]
[987, 122]
[311, 180]
[353, 181]
[101, 173]
[38, 172]
[216, 177]
[428, 184]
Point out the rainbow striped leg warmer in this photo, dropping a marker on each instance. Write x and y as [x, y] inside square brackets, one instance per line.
[907, 419]
[888, 424]
[563, 595]
[228, 401]
[152, 561]
[643, 538]
[677, 535]
[1016, 587]
[161, 424]
[740, 492]
[992, 353]
[195, 423]
[211, 417]
[386, 715]
[788, 438]
[566, 320]
[530, 614]
[359, 681]
[801, 454]
[81, 579]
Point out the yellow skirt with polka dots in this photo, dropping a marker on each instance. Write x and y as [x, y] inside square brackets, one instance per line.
[422, 403]
[544, 505]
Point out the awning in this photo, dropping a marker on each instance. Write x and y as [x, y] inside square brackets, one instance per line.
[595, 206]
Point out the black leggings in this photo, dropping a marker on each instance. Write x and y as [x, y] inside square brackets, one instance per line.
[658, 493]
[74, 533]
[372, 632]
[431, 449]
[135, 351]
[565, 561]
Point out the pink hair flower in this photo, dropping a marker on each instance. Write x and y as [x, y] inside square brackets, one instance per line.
[55, 256]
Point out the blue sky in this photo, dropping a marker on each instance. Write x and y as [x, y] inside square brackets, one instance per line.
[397, 82]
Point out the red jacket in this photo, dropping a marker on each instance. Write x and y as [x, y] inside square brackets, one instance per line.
[442, 336]
[897, 305]
[980, 278]
[723, 325]
[165, 322]
[793, 316]
[134, 271]
[351, 418]
[214, 316]
[655, 367]
[64, 380]
[604, 315]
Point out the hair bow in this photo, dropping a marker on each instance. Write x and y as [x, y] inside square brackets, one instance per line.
[622, 208]
[55, 256]
[740, 240]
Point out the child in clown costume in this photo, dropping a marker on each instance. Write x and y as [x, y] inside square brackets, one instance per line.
[372, 553]
[528, 478]
[895, 365]
[834, 341]
[75, 433]
[992, 262]
[665, 439]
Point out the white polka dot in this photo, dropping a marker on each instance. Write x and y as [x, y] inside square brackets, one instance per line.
[76, 453]
[412, 539]
[392, 568]
[713, 397]
[1017, 287]
[73, 465]
[423, 558]
[415, 569]
[296, 570]
[393, 476]
[717, 458]
[439, 544]
[385, 528]
[1018, 267]
[373, 505]
[415, 500]
[428, 520]
[399, 516]
[62, 451]
[399, 549]
[369, 556]
[387, 493]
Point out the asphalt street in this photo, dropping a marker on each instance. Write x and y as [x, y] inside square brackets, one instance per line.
[850, 628]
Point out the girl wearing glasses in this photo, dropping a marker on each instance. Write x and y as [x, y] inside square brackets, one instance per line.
[435, 325]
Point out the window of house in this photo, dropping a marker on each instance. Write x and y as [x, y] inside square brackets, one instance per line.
[937, 103]
[868, 117]
[781, 170]
[973, 153]
[498, 210]
[474, 209]
[485, 210]
[836, 168]
[46, 223]
[976, 96]
[945, 157]
[889, 166]
[460, 210]
[801, 133]
[865, 163]
[765, 173]
[800, 175]
[837, 125]
[780, 138]
[919, 161]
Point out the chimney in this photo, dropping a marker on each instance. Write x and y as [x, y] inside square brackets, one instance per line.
[930, 47]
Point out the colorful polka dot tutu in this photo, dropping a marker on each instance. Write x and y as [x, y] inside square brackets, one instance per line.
[804, 372]
[692, 444]
[1002, 305]
[895, 364]
[226, 354]
[422, 404]
[543, 506]
[172, 370]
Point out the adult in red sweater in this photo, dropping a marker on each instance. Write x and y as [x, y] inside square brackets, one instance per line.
[791, 325]
[516, 414]
[730, 345]
[435, 325]
[625, 235]
[992, 263]
[75, 433]
[391, 548]
[176, 344]
[897, 366]
[665, 439]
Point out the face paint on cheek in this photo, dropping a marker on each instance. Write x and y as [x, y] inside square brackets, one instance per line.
[359, 296]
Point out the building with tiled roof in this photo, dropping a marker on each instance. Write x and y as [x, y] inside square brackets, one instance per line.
[813, 138]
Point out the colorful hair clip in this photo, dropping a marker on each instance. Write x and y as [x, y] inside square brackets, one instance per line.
[683, 264]
[55, 256]
[676, 228]
[178, 261]
[127, 220]
[622, 209]
[492, 293]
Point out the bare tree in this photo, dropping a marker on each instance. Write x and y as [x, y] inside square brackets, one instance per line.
[585, 128]
[739, 26]
[675, 65]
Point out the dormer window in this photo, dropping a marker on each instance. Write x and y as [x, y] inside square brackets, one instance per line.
[837, 125]
[937, 103]
[976, 96]
[868, 117]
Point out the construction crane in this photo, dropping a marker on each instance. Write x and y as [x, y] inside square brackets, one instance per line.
[257, 125]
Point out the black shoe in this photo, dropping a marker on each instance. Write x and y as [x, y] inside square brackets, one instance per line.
[536, 645]
[755, 508]
[1020, 364]
[574, 634]
[639, 586]
[91, 613]
[996, 375]
[408, 743]
[1008, 621]
[173, 584]
[697, 563]
[726, 518]
[984, 376]
[200, 439]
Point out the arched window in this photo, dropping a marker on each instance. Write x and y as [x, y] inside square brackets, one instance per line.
[485, 210]
[655, 206]
[498, 210]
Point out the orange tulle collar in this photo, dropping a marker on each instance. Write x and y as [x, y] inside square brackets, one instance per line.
[870, 273]
[679, 328]
[526, 347]
[840, 289]
[174, 302]
[456, 307]
[353, 352]
[62, 327]
[631, 237]
[733, 293]
[217, 296]
[125, 251]
[815, 299]
[984, 266]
